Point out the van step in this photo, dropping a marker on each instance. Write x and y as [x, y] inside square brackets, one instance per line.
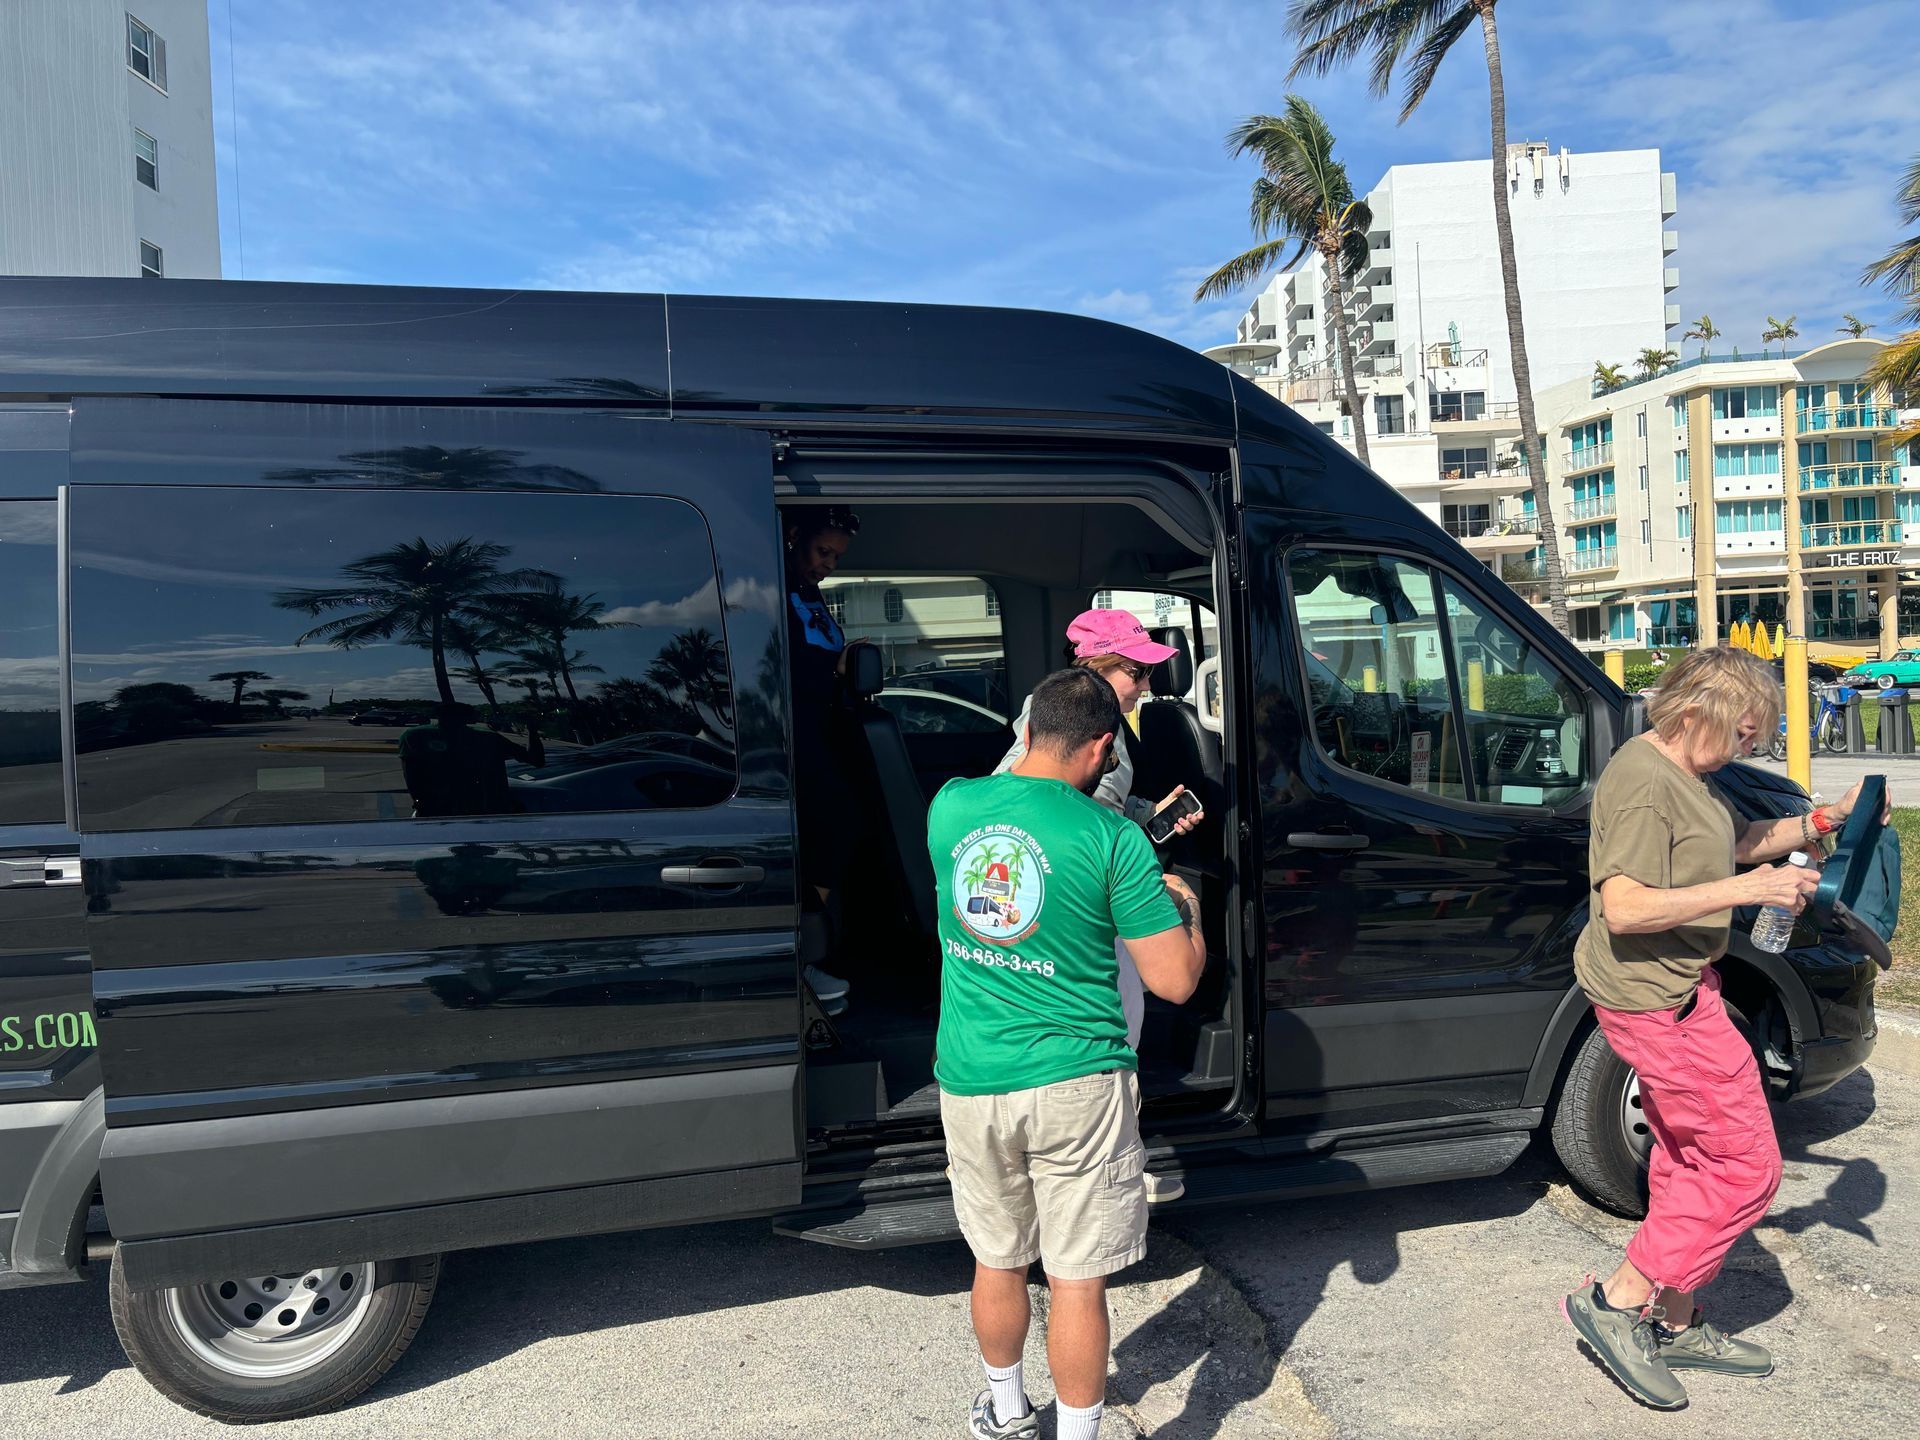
[914, 1221]
[876, 1227]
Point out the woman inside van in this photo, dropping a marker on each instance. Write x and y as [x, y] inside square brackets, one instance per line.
[1661, 858]
[817, 539]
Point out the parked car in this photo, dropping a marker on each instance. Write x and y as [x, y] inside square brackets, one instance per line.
[1903, 668]
[296, 1044]
[1818, 672]
[376, 717]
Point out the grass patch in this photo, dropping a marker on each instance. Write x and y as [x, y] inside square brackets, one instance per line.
[1901, 985]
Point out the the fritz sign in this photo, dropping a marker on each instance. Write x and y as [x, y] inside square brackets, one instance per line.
[1854, 558]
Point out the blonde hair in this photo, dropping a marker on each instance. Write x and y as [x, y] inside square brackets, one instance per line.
[1103, 665]
[1720, 684]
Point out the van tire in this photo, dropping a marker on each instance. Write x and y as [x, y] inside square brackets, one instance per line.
[1587, 1132]
[148, 1324]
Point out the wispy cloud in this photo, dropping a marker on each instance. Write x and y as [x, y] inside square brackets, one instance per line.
[1065, 156]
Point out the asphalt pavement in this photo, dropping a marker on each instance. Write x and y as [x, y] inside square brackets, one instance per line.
[1429, 1312]
[1833, 775]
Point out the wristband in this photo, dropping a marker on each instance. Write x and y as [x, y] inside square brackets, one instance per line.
[1821, 823]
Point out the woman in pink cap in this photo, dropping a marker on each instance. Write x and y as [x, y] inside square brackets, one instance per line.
[1115, 646]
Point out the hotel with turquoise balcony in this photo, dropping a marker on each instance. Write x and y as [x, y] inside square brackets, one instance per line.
[1684, 501]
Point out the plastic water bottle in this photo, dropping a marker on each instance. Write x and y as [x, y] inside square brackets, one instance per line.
[1775, 926]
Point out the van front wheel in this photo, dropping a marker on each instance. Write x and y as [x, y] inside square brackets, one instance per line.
[1598, 1130]
[274, 1347]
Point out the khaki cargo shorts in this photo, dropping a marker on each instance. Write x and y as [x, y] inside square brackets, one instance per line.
[1053, 1173]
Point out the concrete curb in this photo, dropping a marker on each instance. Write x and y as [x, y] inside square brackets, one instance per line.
[1898, 1048]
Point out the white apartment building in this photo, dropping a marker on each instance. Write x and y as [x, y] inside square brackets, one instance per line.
[106, 139]
[1683, 501]
[1428, 321]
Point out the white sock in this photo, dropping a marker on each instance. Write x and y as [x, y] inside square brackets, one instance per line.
[1009, 1391]
[1072, 1424]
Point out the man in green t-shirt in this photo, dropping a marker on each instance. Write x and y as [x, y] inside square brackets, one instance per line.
[1038, 1091]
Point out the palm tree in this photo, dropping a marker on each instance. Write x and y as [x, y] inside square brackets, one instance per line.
[1302, 200]
[410, 592]
[1607, 378]
[695, 664]
[1705, 331]
[468, 637]
[1781, 330]
[1652, 362]
[278, 698]
[545, 611]
[1413, 37]
[1852, 324]
[1898, 367]
[240, 679]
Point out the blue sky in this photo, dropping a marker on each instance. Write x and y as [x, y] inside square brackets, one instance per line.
[1061, 155]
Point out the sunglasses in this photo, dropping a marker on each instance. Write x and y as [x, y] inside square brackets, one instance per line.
[1136, 670]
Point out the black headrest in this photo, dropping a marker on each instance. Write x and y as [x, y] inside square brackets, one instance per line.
[1173, 676]
[866, 672]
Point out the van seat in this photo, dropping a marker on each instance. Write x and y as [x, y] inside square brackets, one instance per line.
[903, 807]
[1176, 749]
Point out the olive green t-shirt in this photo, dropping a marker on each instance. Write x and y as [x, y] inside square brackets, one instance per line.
[1035, 883]
[1655, 823]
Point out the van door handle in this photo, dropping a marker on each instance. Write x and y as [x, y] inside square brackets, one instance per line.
[41, 870]
[731, 874]
[1320, 840]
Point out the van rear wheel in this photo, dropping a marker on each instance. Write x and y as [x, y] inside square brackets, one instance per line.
[274, 1347]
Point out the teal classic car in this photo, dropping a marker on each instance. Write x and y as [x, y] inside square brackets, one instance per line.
[1902, 669]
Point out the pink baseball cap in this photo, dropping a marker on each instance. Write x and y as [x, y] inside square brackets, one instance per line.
[1115, 632]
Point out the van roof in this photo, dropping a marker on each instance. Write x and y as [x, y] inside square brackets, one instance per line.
[849, 363]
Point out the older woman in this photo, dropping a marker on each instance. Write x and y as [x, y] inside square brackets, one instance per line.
[1661, 859]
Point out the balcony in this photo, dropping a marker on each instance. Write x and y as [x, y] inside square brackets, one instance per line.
[1521, 569]
[1591, 457]
[1669, 241]
[1593, 507]
[1670, 278]
[1381, 341]
[1844, 417]
[1859, 475]
[1598, 557]
[1457, 416]
[1449, 356]
[1849, 533]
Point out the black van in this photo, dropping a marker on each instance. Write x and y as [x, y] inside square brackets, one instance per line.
[395, 797]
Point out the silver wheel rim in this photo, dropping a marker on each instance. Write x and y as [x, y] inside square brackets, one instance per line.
[1633, 1121]
[270, 1326]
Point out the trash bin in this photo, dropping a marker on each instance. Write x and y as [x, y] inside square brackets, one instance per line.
[1850, 702]
[1896, 724]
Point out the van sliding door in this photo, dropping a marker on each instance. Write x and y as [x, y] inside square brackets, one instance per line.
[433, 796]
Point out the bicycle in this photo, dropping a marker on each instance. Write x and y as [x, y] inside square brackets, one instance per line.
[1829, 727]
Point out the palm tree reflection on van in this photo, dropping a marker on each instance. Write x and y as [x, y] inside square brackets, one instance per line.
[434, 467]
[411, 592]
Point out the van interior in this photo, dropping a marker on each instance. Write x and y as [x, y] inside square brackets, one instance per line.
[985, 587]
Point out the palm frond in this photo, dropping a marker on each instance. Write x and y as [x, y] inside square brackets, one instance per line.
[1353, 253]
[1246, 267]
[1424, 64]
[1329, 33]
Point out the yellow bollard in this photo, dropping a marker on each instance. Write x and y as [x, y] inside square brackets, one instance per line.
[1369, 680]
[1799, 738]
[1476, 686]
[1615, 664]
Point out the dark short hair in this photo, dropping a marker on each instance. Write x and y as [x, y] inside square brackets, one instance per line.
[1071, 708]
[809, 520]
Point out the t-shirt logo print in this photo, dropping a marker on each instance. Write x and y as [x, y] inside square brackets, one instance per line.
[999, 886]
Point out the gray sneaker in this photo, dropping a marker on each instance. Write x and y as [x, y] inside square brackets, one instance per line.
[1702, 1346]
[1625, 1342]
[981, 1424]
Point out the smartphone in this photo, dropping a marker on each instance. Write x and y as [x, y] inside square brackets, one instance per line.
[1161, 825]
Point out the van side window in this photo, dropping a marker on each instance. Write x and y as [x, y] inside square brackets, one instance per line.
[938, 634]
[1377, 669]
[1160, 610]
[291, 656]
[1526, 723]
[30, 782]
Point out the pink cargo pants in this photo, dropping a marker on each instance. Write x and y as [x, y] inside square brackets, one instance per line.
[1716, 1162]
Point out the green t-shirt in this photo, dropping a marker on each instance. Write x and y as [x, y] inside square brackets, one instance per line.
[1035, 883]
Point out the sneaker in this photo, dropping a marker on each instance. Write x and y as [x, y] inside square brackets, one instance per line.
[981, 1424]
[826, 988]
[1162, 1188]
[1701, 1346]
[1625, 1342]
